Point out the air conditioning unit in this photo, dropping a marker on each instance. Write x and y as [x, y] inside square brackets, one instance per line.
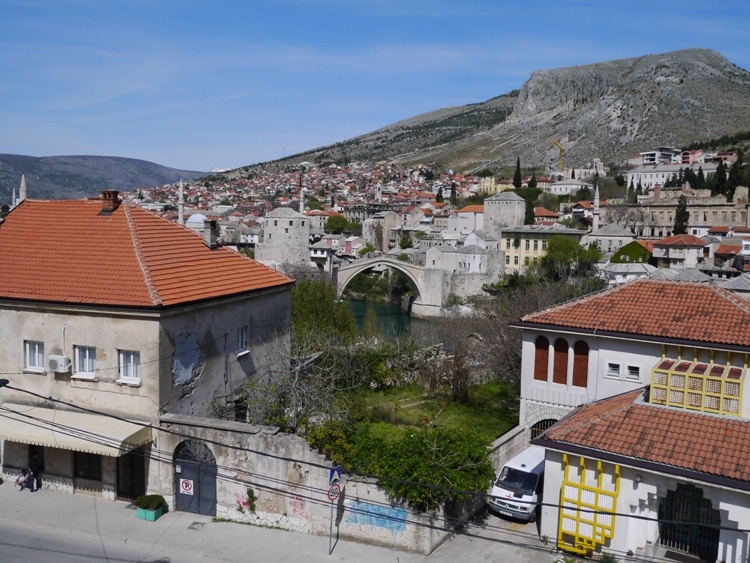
[59, 364]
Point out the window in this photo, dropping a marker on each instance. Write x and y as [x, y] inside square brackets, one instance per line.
[85, 361]
[536, 245]
[130, 366]
[528, 244]
[580, 364]
[88, 466]
[634, 373]
[34, 353]
[560, 362]
[242, 339]
[544, 245]
[541, 358]
[613, 370]
[526, 261]
[507, 243]
[515, 260]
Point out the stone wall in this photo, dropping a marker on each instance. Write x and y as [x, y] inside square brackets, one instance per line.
[272, 479]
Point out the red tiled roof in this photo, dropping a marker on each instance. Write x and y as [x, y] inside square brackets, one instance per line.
[472, 209]
[647, 244]
[697, 312]
[680, 240]
[542, 212]
[622, 425]
[728, 249]
[66, 251]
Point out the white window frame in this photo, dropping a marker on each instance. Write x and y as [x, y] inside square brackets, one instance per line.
[33, 356]
[613, 369]
[242, 341]
[633, 373]
[129, 367]
[85, 362]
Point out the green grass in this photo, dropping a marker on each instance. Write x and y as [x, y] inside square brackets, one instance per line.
[491, 410]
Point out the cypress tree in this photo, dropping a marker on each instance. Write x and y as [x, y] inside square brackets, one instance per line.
[681, 217]
[517, 181]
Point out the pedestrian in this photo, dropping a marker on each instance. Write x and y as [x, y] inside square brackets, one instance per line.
[36, 472]
[24, 481]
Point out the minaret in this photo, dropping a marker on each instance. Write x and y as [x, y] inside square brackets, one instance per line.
[22, 189]
[301, 193]
[595, 226]
[181, 205]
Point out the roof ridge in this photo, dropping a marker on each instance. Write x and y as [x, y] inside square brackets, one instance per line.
[153, 292]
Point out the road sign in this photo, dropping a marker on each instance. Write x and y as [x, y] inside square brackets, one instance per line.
[334, 491]
[335, 475]
[186, 486]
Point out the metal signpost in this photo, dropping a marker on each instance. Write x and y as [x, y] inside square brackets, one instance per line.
[334, 490]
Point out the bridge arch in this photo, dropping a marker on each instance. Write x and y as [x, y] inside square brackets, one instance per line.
[413, 273]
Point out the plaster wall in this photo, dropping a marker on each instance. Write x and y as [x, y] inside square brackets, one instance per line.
[290, 482]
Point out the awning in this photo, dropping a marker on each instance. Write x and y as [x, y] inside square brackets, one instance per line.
[82, 432]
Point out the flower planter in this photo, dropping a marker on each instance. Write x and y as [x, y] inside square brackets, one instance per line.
[150, 515]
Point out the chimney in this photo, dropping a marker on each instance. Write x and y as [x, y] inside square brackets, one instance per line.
[109, 201]
[181, 208]
[657, 193]
[211, 234]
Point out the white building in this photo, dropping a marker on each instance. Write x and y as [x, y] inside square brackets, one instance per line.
[638, 395]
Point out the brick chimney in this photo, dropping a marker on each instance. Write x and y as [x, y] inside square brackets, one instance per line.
[657, 193]
[211, 234]
[109, 201]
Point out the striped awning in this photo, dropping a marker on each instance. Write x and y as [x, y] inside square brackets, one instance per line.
[68, 430]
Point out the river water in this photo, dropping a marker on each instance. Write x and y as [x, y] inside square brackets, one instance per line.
[393, 320]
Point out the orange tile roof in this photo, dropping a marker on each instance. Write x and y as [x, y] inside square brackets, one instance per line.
[680, 240]
[66, 251]
[658, 309]
[472, 209]
[543, 212]
[625, 425]
[728, 249]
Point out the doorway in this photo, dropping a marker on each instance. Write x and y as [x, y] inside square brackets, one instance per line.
[195, 478]
[131, 474]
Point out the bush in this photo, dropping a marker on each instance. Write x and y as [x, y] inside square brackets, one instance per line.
[150, 502]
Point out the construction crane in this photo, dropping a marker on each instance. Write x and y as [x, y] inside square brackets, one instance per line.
[558, 144]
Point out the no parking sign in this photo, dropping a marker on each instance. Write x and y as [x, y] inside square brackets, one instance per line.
[186, 486]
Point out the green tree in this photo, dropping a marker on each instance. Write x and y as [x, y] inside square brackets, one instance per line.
[439, 197]
[427, 468]
[336, 224]
[318, 319]
[371, 325]
[681, 217]
[532, 181]
[565, 257]
[736, 176]
[517, 179]
[454, 195]
[720, 180]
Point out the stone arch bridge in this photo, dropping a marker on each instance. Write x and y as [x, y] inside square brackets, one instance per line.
[426, 284]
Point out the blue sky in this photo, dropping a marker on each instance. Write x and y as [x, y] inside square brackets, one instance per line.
[201, 85]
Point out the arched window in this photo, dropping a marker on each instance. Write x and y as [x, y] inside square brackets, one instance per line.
[541, 358]
[560, 362]
[580, 364]
[541, 426]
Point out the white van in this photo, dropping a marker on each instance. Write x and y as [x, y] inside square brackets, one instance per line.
[517, 491]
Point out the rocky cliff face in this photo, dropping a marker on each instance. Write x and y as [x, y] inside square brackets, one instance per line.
[616, 109]
[611, 110]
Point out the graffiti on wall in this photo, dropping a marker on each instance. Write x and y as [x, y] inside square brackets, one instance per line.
[364, 514]
[298, 506]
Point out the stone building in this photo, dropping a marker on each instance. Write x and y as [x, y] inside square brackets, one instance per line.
[286, 238]
[117, 317]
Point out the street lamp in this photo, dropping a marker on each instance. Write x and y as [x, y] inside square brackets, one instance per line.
[4, 382]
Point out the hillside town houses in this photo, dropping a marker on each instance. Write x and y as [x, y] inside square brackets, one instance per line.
[636, 393]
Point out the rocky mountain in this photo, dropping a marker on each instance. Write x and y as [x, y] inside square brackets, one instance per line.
[610, 110]
[71, 177]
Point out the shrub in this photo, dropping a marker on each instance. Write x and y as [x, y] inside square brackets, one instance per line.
[150, 502]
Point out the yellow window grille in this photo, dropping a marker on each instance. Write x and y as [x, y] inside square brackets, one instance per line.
[701, 386]
[588, 500]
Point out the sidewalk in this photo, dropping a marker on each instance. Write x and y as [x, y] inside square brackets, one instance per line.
[182, 536]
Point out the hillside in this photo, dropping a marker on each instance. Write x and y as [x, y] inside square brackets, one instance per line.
[71, 177]
[610, 110]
